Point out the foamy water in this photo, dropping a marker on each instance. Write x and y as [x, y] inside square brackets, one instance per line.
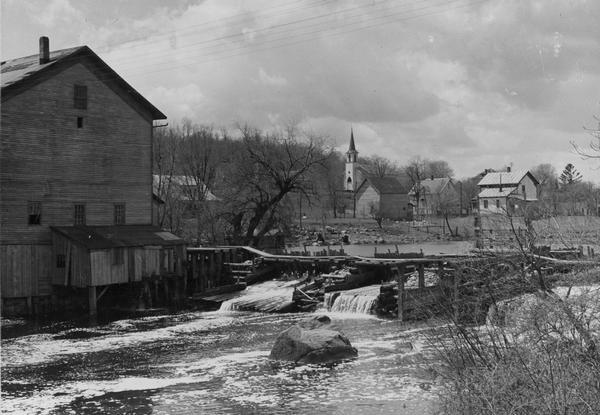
[214, 363]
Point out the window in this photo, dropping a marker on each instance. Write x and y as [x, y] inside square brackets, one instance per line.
[79, 122]
[34, 212]
[79, 214]
[119, 213]
[60, 261]
[485, 204]
[523, 188]
[80, 97]
[118, 256]
[498, 203]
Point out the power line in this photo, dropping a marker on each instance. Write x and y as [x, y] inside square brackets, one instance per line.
[382, 21]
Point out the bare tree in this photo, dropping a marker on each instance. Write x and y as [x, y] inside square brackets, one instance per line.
[593, 150]
[269, 167]
[199, 163]
[379, 166]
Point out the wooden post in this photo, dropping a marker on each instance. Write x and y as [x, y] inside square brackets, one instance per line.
[421, 269]
[29, 306]
[400, 280]
[92, 300]
[455, 308]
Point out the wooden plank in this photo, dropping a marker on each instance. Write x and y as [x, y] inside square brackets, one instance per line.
[67, 265]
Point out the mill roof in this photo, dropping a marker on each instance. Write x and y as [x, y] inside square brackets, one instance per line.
[18, 75]
[106, 237]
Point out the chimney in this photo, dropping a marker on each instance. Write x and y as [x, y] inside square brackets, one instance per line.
[508, 169]
[44, 50]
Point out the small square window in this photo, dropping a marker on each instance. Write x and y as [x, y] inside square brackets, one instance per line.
[485, 204]
[79, 122]
[79, 214]
[119, 213]
[60, 261]
[80, 97]
[34, 213]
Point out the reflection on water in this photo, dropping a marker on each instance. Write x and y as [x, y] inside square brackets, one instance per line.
[218, 363]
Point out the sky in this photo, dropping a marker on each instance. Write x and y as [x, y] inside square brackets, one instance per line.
[478, 83]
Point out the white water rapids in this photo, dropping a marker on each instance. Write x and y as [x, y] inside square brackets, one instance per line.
[360, 300]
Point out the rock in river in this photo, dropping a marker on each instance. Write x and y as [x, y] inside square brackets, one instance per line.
[312, 341]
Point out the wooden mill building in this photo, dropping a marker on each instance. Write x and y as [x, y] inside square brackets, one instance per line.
[76, 200]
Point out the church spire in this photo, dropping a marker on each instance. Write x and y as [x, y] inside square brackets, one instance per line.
[352, 148]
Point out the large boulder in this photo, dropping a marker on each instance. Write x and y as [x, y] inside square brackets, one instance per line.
[312, 341]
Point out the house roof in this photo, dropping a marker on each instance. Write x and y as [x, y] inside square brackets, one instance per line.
[433, 186]
[179, 181]
[18, 75]
[385, 185]
[505, 178]
[106, 237]
[496, 193]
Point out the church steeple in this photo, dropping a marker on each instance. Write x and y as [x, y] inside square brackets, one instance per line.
[351, 154]
[351, 164]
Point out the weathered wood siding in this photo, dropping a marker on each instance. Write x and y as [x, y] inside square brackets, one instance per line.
[25, 270]
[76, 271]
[45, 157]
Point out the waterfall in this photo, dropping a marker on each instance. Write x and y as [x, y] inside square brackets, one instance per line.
[361, 300]
[270, 296]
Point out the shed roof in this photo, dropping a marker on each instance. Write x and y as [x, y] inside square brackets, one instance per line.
[20, 74]
[496, 192]
[106, 237]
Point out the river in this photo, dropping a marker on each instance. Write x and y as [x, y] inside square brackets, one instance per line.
[211, 363]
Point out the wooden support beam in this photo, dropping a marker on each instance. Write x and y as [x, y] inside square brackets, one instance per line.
[421, 269]
[92, 300]
[399, 270]
[102, 293]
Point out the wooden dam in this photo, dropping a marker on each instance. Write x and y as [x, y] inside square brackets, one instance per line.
[410, 285]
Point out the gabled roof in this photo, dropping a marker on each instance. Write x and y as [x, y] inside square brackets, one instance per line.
[18, 75]
[384, 185]
[505, 178]
[433, 186]
[178, 182]
[495, 192]
[106, 237]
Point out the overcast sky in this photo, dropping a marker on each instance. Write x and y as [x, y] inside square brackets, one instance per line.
[477, 83]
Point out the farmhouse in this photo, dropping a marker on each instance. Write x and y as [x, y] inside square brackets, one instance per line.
[434, 196]
[506, 191]
[76, 180]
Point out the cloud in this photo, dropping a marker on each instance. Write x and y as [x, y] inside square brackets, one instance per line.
[55, 12]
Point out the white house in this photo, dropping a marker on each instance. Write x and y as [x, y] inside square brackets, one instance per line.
[506, 191]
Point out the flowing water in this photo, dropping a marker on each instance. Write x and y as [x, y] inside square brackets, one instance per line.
[360, 300]
[213, 363]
